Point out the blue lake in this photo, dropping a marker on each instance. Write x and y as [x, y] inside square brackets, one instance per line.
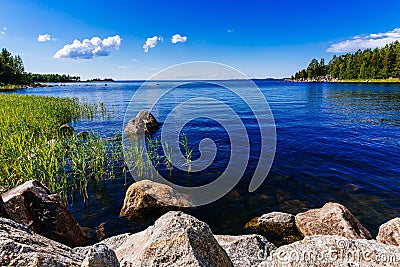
[335, 142]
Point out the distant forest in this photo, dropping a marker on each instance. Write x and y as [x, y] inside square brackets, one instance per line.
[12, 72]
[379, 63]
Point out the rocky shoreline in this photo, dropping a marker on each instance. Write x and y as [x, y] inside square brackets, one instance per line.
[36, 229]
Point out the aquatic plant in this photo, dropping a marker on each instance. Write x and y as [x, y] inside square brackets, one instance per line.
[31, 146]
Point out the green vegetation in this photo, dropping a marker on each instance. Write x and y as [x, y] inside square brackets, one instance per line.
[32, 147]
[12, 72]
[50, 78]
[380, 64]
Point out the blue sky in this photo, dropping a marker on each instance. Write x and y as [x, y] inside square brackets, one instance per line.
[259, 38]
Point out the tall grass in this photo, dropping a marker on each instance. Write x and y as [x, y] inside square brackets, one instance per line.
[31, 146]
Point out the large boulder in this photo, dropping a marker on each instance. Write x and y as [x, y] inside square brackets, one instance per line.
[331, 219]
[33, 205]
[21, 247]
[245, 250]
[389, 233]
[175, 239]
[146, 195]
[278, 227]
[334, 251]
[144, 123]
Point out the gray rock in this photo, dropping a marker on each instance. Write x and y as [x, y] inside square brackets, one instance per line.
[21, 247]
[331, 219]
[65, 129]
[278, 227]
[33, 205]
[175, 239]
[245, 250]
[389, 233]
[143, 123]
[147, 195]
[100, 255]
[334, 251]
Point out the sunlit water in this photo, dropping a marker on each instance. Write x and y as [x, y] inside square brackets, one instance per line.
[335, 142]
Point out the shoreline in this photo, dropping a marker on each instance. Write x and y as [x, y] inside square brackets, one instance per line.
[323, 80]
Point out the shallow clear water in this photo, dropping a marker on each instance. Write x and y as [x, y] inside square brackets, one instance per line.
[335, 142]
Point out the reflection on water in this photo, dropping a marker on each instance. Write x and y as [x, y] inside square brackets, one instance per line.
[336, 142]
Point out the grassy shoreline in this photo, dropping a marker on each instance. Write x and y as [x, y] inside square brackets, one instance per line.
[32, 147]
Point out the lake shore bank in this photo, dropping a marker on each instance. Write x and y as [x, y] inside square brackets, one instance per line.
[335, 80]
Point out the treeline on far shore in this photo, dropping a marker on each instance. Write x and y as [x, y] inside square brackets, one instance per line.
[378, 63]
[12, 72]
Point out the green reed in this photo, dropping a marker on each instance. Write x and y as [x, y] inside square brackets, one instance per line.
[31, 146]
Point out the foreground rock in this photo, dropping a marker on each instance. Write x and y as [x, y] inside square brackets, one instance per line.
[332, 251]
[245, 250]
[389, 233]
[100, 255]
[144, 123]
[175, 239]
[278, 227]
[147, 195]
[21, 247]
[33, 205]
[331, 219]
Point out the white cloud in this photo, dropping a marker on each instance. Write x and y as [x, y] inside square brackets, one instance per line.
[151, 43]
[177, 38]
[88, 49]
[366, 41]
[3, 32]
[45, 38]
[230, 30]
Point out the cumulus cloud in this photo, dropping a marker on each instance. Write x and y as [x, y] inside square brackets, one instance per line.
[230, 30]
[151, 42]
[366, 41]
[3, 32]
[45, 38]
[88, 49]
[177, 38]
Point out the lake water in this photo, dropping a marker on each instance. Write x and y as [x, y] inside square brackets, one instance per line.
[335, 142]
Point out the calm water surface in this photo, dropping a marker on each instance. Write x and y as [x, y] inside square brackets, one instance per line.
[335, 142]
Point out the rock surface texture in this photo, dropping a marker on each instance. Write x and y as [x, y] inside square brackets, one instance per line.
[100, 255]
[32, 205]
[21, 247]
[331, 219]
[334, 251]
[175, 239]
[143, 123]
[389, 233]
[245, 250]
[147, 195]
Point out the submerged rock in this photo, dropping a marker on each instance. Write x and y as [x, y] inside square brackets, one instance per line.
[389, 233]
[83, 135]
[278, 227]
[331, 219]
[143, 123]
[245, 250]
[175, 239]
[33, 205]
[146, 195]
[21, 247]
[332, 251]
